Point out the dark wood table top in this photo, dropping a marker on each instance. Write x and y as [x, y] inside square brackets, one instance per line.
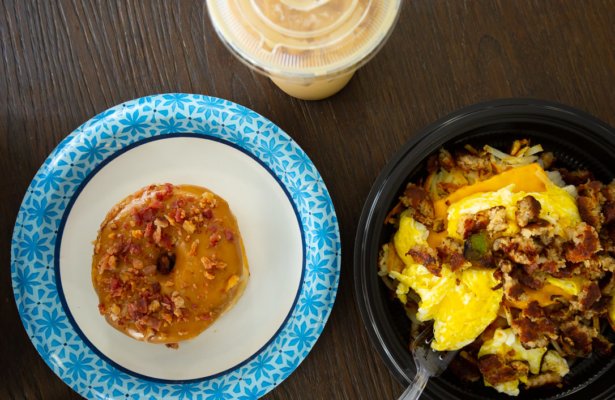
[64, 61]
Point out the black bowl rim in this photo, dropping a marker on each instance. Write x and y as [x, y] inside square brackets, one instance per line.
[502, 107]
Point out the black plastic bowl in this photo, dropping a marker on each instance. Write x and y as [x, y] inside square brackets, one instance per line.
[576, 138]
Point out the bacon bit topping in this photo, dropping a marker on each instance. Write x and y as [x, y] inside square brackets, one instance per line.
[178, 301]
[157, 235]
[208, 263]
[107, 263]
[214, 239]
[166, 193]
[179, 215]
[228, 234]
[153, 323]
[194, 247]
[168, 318]
[232, 282]
[161, 223]
[204, 317]
[132, 311]
[134, 249]
[154, 306]
[210, 199]
[137, 264]
[189, 227]
[114, 312]
[150, 269]
[208, 213]
[170, 220]
[149, 229]
[173, 346]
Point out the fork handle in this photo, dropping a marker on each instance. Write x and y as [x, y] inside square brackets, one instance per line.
[413, 392]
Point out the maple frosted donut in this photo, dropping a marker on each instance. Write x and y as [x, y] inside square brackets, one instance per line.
[168, 261]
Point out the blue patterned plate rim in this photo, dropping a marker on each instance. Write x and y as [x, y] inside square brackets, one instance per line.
[77, 158]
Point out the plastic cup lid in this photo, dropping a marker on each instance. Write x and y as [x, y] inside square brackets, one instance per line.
[304, 38]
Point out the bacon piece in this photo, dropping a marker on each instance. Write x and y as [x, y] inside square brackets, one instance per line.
[451, 251]
[518, 249]
[589, 203]
[492, 220]
[589, 295]
[575, 178]
[228, 235]
[534, 281]
[420, 203]
[547, 378]
[533, 327]
[142, 305]
[152, 322]
[585, 243]
[528, 211]
[576, 338]
[495, 370]
[427, 256]
[589, 210]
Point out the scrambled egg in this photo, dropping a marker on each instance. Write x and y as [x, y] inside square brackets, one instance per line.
[558, 207]
[571, 286]
[462, 304]
[507, 345]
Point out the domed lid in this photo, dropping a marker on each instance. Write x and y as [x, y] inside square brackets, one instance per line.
[304, 38]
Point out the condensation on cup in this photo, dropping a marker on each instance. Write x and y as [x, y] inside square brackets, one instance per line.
[309, 48]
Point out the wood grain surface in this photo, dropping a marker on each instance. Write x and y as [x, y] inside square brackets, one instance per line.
[64, 61]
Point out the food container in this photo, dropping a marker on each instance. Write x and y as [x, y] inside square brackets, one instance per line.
[309, 48]
[576, 138]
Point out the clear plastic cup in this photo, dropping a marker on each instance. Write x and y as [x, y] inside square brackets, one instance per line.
[309, 48]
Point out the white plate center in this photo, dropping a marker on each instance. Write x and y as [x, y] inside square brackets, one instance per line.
[268, 225]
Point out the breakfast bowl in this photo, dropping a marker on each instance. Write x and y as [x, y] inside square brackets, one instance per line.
[577, 140]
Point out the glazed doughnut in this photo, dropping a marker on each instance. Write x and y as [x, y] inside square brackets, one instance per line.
[168, 261]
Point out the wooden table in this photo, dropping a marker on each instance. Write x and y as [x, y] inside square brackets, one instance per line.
[65, 61]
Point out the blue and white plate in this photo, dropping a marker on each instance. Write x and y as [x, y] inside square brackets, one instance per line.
[285, 215]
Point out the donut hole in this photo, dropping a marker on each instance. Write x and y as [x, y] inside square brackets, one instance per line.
[165, 263]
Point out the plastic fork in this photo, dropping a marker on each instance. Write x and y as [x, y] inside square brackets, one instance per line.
[429, 363]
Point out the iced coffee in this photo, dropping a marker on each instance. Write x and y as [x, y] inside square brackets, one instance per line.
[309, 48]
